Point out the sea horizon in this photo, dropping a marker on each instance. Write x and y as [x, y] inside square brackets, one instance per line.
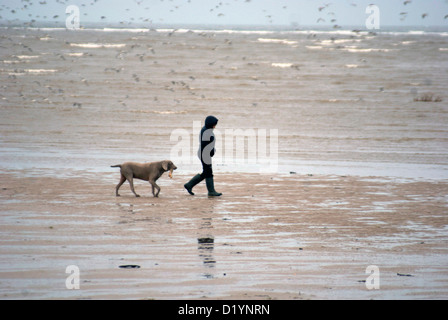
[287, 28]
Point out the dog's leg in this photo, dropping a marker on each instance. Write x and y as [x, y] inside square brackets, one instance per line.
[158, 190]
[153, 190]
[154, 185]
[122, 180]
[131, 183]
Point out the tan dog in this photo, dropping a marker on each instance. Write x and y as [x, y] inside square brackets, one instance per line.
[144, 171]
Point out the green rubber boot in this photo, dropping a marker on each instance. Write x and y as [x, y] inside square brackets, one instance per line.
[194, 181]
[211, 188]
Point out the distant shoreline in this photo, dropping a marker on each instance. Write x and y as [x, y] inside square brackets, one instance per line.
[234, 31]
[215, 28]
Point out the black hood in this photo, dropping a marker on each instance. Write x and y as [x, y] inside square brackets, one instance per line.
[210, 122]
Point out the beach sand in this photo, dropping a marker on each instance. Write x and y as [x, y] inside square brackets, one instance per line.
[362, 175]
[267, 237]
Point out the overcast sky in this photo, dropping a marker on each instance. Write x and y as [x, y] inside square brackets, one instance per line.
[344, 13]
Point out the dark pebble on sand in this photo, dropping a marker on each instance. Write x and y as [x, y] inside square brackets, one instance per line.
[129, 266]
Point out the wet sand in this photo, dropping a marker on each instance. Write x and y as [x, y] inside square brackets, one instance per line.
[268, 237]
[369, 179]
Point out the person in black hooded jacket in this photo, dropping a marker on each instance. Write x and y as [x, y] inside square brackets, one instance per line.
[205, 153]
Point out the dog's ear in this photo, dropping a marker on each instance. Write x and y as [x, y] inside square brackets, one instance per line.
[165, 165]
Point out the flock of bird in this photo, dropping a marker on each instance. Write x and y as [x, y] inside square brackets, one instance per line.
[323, 9]
[403, 15]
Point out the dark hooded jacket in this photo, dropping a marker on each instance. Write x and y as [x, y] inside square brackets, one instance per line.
[207, 140]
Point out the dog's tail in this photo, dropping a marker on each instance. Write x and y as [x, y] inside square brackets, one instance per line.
[116, 166]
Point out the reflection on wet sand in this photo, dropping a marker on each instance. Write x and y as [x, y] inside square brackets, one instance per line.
[206, 243]
[205, 249]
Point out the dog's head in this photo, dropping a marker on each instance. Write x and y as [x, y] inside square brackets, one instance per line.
[168, 165]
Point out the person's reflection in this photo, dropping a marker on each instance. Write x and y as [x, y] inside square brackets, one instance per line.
[206, 244]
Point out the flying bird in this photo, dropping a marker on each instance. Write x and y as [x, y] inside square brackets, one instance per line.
[407, 2]
[324, 6]
[424, 15]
